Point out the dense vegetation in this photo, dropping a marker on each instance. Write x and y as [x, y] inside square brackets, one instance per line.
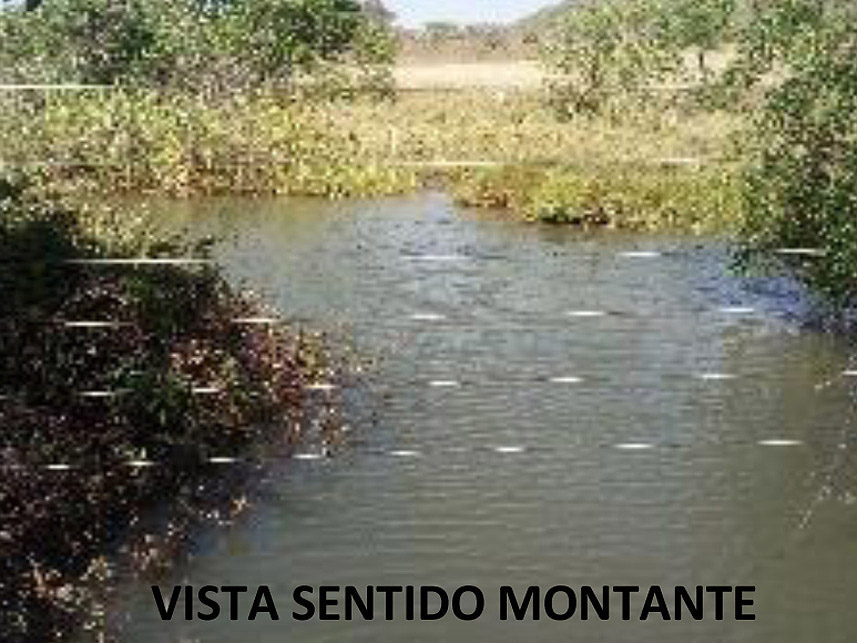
[779, 74]
[119, 383]
[102, 422]
[791, 65]
[224, 45]
[801, 182]
[636, 130]
[614, 50]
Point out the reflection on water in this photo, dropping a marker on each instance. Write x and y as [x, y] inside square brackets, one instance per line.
[551, 408]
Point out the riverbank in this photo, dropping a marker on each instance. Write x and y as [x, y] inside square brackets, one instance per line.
[661, 165]
[126, 387]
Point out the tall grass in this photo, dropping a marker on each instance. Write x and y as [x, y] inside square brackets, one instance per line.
[636, 197]
[269, 144]
[180, 145]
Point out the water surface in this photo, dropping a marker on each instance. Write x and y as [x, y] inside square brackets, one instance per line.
[550, 407]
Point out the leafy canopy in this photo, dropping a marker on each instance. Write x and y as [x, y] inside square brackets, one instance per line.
[186, 42]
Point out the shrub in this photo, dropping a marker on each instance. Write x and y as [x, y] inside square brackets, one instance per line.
[190, 45]
[175, 333]
[801, 183]
[606, 51]
[621, 196]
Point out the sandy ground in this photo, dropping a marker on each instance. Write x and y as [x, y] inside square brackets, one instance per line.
[491, 75]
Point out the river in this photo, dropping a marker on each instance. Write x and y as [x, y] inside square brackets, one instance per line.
[549, 407]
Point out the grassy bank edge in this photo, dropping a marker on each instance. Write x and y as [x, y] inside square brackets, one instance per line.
[651, 168]
[695, 200]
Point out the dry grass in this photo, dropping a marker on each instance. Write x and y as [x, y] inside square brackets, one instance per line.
[653, 166]
[522, 74]
[516, 128]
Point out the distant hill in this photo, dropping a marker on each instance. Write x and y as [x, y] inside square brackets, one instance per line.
[542, 19]
[446, 42]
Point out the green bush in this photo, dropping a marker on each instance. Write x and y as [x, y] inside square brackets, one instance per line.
[791, 70]
[689, 199]
[614, 50]
[801, 182]
[186, 44]
[175, 332]
[627, 197]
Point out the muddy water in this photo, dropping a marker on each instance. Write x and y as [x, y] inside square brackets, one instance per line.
[549, 408]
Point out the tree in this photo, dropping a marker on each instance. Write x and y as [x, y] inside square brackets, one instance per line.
[794, 76]
[439, 32]
[487, 35]
[697, 24]
[378, 12]
[606, 50]
[801, 181]
[186, 42]
[276, 36]
[92, 41]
